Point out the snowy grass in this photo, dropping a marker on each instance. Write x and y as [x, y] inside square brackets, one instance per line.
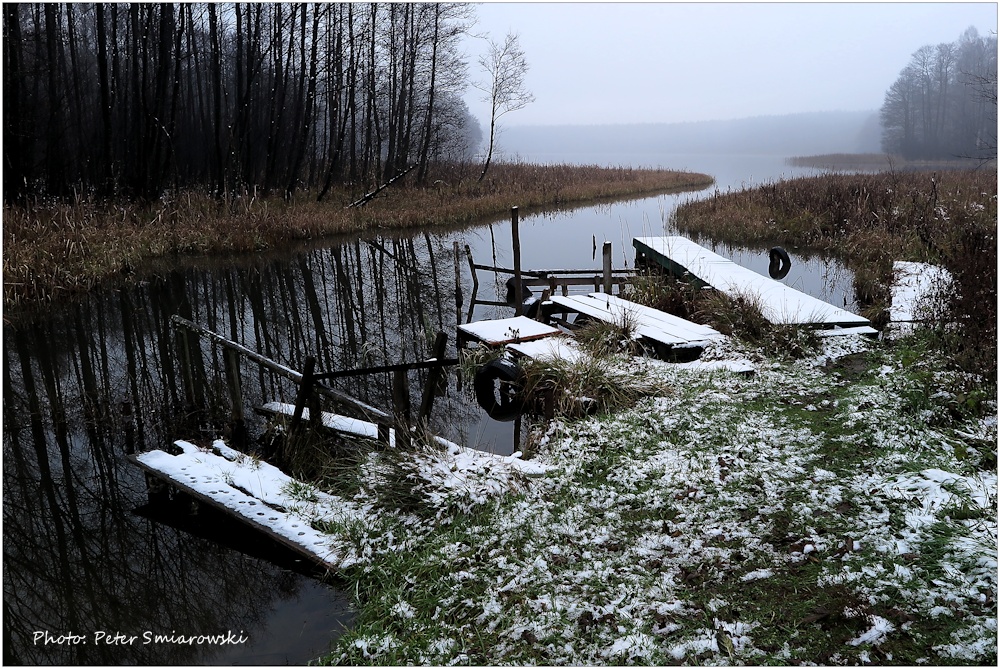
[812, 513]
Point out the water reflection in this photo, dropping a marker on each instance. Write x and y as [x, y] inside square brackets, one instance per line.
[88, 383]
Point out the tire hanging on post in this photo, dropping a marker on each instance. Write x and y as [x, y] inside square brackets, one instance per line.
[499, 385]
[780, 263]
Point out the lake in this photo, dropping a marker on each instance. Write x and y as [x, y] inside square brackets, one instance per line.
[87, 383]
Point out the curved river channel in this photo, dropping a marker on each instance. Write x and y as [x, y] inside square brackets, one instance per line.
[91, 574]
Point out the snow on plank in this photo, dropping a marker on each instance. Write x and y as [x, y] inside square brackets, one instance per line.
[461, 457]
[693, 332]
[331, 421]
[781, 304]
[506, 330]
[551, 348]
[255, 493]
[650, 323]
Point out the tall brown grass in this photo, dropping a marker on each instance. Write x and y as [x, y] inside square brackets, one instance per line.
[53, 248]
[870, 220]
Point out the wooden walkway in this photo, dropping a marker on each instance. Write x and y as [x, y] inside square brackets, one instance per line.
[504, 331]
[653, 324]
[254, 492]
[781, 304]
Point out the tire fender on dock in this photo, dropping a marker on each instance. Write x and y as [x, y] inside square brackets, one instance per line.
[780, 263]
[498, 385]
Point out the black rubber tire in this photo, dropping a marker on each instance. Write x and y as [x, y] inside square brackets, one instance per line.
[780, 263]
[498, 385]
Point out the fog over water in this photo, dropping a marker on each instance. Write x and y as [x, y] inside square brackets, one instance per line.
[663, 62]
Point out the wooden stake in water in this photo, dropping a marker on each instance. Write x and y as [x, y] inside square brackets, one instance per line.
[516, 243]
[458, 286]
[607, 267]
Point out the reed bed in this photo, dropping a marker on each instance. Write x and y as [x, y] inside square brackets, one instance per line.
[52, 248]
[883, 161]
[870, 220]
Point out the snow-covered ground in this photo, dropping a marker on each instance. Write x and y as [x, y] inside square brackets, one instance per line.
[799, 515]
[833, 510]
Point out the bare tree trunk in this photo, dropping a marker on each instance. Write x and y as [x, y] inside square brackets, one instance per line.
[14, 159]
[106, 159]
[306, 125]
[429, 120]
[54, 132]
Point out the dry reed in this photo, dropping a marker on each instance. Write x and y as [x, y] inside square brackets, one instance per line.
[870, 220]
[53, 248]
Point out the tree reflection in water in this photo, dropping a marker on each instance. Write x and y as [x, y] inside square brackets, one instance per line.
[85, 384]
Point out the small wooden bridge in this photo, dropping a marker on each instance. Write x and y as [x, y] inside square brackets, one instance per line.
[781, 304]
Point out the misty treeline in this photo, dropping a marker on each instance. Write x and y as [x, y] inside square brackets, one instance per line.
[944, 103]
[135, 99]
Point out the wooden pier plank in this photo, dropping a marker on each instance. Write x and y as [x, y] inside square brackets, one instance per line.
[782, 305]
[695, 332]
[550, 348]
[253, 493]
[506, 330]
[659, 326]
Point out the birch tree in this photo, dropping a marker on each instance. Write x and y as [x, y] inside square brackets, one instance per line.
[505, 91]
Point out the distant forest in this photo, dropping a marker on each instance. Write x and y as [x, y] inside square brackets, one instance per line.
[133, 99]
[944, 103]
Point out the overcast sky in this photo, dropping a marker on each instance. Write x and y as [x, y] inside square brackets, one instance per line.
[614, 62]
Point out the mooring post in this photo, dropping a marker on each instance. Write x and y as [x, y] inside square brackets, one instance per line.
[458, 287]
[401, 407]
[475, 283]
[433, 378]
[516, 244]
[305, 388]
[607, 267]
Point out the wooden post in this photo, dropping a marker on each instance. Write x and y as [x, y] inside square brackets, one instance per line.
[401, 407]
[458, 288]
[433, 377]
[305, 388]
[475, 282]
[516, 243]
[607, 267]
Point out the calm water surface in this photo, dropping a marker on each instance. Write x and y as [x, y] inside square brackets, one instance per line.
[88, 383]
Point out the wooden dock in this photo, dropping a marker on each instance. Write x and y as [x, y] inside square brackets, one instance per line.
[503, 331]
[253, 492]
[652, 324]
[781, 304]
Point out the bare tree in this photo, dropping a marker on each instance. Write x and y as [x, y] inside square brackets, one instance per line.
[505, 92]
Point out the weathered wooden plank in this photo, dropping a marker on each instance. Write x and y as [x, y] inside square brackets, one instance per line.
[345, 424]
[671, 323]
[677, 333]
[253, 494]
[780, 304]
[506, 330]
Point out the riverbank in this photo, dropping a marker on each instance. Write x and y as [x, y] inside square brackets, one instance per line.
[832, 509]
[871, 220]
[54, 249]
[838, 506]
